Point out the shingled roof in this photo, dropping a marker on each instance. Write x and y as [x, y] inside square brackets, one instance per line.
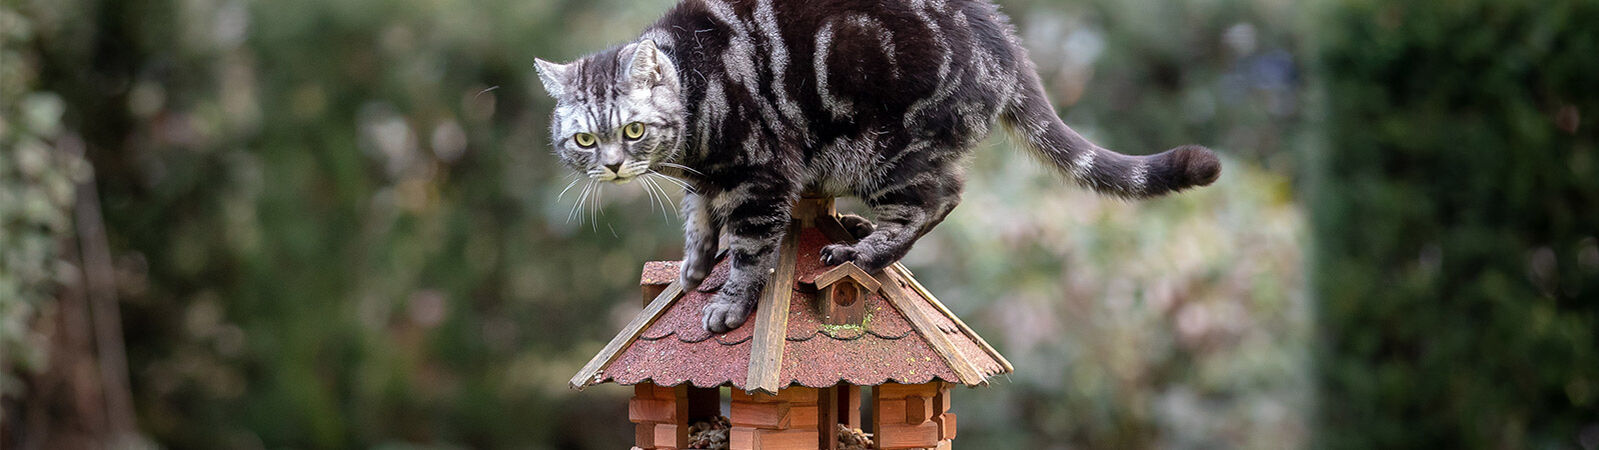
[908, 336]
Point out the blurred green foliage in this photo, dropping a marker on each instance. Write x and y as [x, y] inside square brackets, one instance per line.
[37, 187]
[1455, 215]
[335, 224]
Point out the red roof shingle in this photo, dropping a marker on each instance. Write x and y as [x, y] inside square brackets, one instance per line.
[673, 348]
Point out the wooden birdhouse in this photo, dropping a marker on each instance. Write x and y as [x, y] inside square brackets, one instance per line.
[831, 355]
[840, 294]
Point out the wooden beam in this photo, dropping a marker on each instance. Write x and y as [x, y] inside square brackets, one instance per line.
[849, 405]
[771, 319]
[917, 286]
[590, 371]
[670, 436]
[900, 435]
[759, 415]
[827, 418]
[651, 410]
[968, 373]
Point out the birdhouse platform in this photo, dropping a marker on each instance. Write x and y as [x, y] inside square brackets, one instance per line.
[796, 368]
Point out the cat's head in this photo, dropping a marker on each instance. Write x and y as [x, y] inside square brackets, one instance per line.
[618, 113]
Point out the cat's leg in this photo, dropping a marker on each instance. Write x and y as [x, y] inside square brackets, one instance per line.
[756, 214]
[904, 214]
[700, 240]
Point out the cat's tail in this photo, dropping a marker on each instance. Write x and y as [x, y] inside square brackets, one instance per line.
[1031, 116]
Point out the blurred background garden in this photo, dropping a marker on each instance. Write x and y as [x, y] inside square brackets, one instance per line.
[334, 224]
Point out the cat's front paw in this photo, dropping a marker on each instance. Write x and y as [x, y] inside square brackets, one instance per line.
[836, 254]
[693, 273]
[726, 312]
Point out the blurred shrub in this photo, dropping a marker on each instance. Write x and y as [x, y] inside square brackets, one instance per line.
[336, 225]
[1456, 207]
[37, 186]
[1175, 323]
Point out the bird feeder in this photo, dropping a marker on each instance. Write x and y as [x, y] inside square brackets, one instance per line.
[796, 369]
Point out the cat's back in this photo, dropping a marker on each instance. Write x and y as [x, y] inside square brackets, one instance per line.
[844, 56]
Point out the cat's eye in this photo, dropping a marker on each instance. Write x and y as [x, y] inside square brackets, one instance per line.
[633, 130]
[584, 140]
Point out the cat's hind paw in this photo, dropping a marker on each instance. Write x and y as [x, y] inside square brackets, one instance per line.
[836, 254]
[857, 226]
[725, 313]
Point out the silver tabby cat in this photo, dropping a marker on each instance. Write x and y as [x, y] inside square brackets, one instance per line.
[754, 101]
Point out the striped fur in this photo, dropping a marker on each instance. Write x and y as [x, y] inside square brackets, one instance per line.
[754, 101]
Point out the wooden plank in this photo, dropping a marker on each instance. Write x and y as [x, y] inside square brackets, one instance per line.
[786, 439]
[941, 401]
[666, 436]
[651, 410]
[891, 410]
[968, 373]
[946, 425]
[848, 269]
[650, 291]
[917, 286]
[899, 435]
[850, 405]
[590, 371]
[664, 392]
[918, 409]
[897, 390]
[794, 394]
[803, 417]
[644, 435]
[771, 319]
[759, 415]
[680, 414]
[741, 438]
[827, 416]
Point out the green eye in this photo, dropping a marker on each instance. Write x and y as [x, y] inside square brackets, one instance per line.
[584, 140]
[633, 130]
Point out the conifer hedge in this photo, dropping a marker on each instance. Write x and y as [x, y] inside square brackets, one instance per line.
[1455, 203]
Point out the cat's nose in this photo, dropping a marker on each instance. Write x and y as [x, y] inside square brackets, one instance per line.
[615, 168]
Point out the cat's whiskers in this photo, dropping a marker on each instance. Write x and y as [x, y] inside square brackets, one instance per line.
[648, 189]
[682, 167]
[580, 199]
[594, 207]
[649, 178]
[558, 197]
[677, 181]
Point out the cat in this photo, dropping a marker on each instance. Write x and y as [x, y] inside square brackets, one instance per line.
[752, 102]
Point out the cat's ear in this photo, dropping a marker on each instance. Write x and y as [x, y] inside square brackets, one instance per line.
[553, 76]
[645, 70]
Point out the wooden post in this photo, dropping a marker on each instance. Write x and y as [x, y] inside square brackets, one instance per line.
[827, 418]
[849, 405]
[902, 415]
[659, 416]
